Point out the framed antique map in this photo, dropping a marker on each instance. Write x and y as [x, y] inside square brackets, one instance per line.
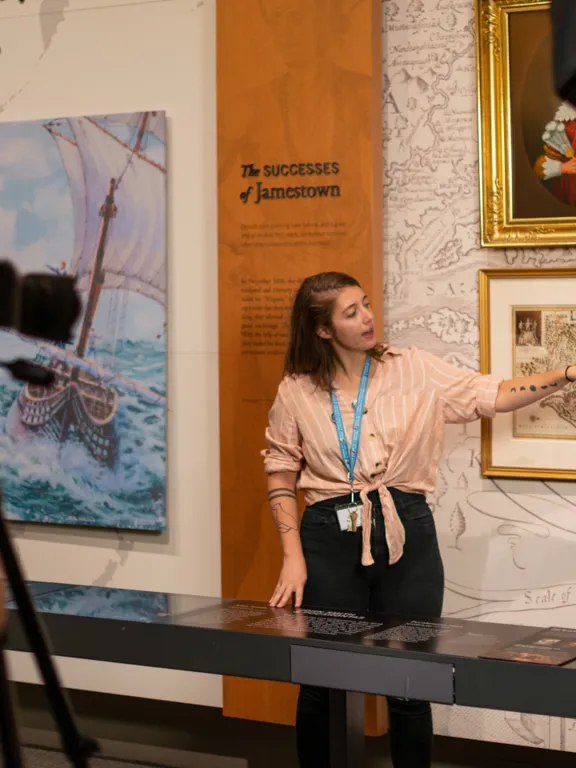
[542, 337]
[527, 135]
[528, 326]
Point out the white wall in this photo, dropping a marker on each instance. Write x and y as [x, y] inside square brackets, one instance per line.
[90, 57]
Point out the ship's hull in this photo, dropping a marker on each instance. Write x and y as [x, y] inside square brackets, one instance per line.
[62, 413]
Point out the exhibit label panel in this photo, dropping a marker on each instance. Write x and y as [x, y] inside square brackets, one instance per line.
[299, 192]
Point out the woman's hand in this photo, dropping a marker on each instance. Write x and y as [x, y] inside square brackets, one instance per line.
[292, 580]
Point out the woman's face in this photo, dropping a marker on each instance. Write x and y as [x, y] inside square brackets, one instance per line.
[352, 321]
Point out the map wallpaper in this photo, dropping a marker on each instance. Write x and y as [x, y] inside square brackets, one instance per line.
[508, 545]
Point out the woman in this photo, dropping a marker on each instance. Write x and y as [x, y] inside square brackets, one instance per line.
[358, 426]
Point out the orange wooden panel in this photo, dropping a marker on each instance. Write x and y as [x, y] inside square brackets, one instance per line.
[299, 191]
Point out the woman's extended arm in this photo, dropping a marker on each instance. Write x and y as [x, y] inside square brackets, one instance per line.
[519, 392]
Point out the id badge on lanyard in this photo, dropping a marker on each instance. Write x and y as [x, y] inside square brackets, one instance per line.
[350, 514]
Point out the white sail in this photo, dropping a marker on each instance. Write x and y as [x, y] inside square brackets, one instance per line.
[134, 257]
[155, 122]
[73, 166]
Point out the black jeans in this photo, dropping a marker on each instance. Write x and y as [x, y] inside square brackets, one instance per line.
[414, 587]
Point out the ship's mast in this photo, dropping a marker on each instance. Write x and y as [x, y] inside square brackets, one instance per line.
[141, 132]
[107, 212]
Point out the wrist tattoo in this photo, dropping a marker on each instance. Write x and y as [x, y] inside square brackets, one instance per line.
[285, 521]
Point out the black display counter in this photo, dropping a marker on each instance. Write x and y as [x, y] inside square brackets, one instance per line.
[440, 660]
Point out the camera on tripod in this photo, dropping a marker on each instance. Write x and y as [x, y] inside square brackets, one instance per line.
[45, 307]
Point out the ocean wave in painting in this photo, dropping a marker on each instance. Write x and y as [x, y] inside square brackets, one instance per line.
[44, 481]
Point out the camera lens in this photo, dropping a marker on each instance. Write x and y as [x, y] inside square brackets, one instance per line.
[49, 307]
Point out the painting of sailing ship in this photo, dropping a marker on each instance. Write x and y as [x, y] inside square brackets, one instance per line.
[87, 196]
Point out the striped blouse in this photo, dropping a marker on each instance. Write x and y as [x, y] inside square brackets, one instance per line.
[411, 395]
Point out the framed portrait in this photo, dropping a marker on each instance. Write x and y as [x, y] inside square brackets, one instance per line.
[528, 326]
[527, 135]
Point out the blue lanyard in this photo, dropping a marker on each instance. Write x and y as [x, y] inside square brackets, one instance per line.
[349, 456]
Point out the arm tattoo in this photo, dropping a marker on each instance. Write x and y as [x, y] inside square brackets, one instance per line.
[285, 521]
[532, 388]
[275, 490]
[279, 493]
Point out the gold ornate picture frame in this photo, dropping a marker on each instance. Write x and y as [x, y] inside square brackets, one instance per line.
[527, 134]
[528, 326]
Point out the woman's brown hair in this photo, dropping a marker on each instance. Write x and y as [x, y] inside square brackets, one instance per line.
[309, 354]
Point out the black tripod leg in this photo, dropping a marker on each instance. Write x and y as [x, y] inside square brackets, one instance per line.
[77, 748]
[8, 733]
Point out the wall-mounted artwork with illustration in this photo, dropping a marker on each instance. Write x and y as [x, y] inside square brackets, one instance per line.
[527, 134]
[87, 196]
[528, 326]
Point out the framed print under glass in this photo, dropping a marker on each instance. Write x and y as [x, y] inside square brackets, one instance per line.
[528, 326]
[527, 135]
